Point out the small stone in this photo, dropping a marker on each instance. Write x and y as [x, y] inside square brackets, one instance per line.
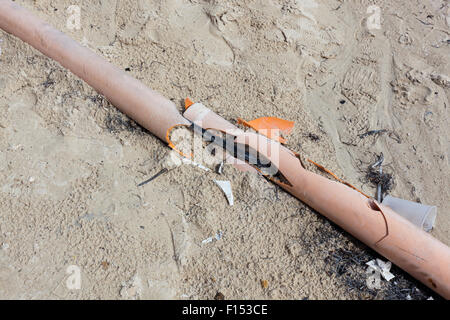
[264, 284]
[219, 296]
[105, 265]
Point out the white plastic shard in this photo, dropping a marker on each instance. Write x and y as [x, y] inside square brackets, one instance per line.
[382, 267]
[195, 164]
[217, 237]
[226, 188]
[174, 160]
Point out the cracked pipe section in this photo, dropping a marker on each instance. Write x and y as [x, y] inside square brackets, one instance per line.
[409, 247]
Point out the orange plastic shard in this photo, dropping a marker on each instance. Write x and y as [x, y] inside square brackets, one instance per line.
[187, 103]
[271, 127]
[171, 144]
[337, 178]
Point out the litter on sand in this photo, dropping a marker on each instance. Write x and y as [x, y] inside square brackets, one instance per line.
[154, 177]
[270, 127]
[226, 188]
[419, 214]
[382, 267]
[219, 168]
[195, 164]
[217, 237]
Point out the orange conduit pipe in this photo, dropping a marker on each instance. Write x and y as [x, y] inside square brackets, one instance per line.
[409, 247]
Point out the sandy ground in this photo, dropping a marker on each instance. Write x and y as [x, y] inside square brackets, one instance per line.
[70, 162]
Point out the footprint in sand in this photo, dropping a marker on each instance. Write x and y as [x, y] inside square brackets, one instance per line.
[196, 26]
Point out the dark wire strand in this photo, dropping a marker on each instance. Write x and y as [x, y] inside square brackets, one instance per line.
[154, 177]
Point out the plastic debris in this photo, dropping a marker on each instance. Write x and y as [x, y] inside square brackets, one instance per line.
[419, 214]
[382, 267]
[271, 127]
[226, 188]
[217, 237]
[195, 164]
[220, 167]
[337, 178]
[187, 103]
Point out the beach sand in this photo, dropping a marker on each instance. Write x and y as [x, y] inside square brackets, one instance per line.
[70, 162]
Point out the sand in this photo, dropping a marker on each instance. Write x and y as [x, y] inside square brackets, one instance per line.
[70, 162]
